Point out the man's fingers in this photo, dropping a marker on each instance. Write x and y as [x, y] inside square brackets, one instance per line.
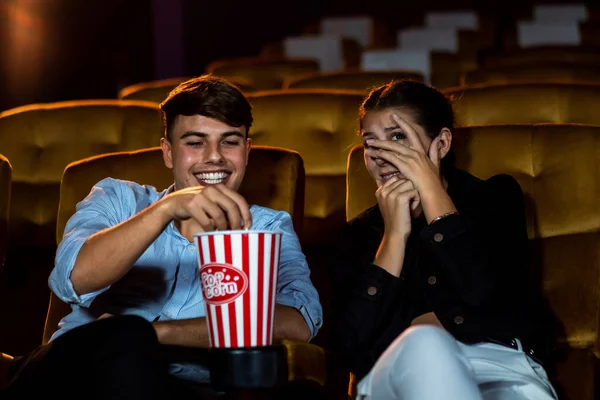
[242, 205]
[214, 212]
[230, 207]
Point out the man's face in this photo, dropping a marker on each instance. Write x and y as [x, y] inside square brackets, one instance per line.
[205, 151]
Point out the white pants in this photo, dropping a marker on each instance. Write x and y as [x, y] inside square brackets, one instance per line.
[427, 363]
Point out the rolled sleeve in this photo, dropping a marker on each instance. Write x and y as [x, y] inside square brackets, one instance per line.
[294, 287]
[101, 209]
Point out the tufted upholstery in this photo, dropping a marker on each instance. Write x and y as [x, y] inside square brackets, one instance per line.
[525, 103]
[558, 167]
[5, 186]
[542, 55]
[41, 139]
[157, 91]
[322, 126]
[359, 80]
[274, 178]
[547, 73]
[261, 73]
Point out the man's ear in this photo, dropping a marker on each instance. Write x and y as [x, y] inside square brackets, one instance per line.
[165, 145]
[248, 148]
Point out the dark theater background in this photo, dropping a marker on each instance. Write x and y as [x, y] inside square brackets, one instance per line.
[524, 81]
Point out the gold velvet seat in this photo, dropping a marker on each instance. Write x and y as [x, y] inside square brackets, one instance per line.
[261, 73]
[41, 139]
[558, 167]
[5, 186]
[548, 73]
[274, 178]
[351, 80]
[526, 103]
[154, 91]
[576, 55]
[157, 91]
[322, 126]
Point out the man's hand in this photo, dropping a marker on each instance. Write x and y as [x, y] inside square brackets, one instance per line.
[213, 207]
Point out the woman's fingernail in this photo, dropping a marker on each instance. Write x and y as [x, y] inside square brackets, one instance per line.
[370, 141]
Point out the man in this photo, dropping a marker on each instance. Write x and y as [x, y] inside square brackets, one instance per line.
[127, 261]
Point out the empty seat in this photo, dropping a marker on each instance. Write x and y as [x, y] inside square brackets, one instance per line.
[525, 103]
[41, 139]
[577, 55]
[322, 125]
[542, 73]
[352, 80]
[157, 91]
[260, 73]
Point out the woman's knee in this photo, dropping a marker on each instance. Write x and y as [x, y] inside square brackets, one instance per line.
[425, 339]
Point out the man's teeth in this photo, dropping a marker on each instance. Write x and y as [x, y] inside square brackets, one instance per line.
[212, 178]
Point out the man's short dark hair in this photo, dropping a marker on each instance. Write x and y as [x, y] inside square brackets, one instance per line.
[210, 97]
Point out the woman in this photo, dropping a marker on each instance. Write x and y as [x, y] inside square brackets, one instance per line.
[432, 299]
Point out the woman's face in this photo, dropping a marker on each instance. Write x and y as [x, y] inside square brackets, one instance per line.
[381, 125]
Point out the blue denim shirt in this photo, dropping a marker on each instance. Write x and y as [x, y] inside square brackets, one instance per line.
[163, 283]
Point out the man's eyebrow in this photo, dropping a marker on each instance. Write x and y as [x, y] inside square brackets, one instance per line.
[193, 133]
[233, 133]
[205, 135]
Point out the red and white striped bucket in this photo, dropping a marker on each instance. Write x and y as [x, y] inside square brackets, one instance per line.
[238, 275]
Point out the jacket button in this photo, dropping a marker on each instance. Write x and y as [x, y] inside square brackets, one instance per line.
[458, 320]
[432, 280]
[372, 290]
[438, 237]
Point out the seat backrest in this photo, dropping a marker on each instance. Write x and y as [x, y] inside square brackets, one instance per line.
[558, 168]
[41, 139]
[154, 91]
[321, 125]
[157, 91]
[5, 185]
[261, 73]
[548, 73]
[274, 178]
[577, 55]
[359, 80]
[525, 103]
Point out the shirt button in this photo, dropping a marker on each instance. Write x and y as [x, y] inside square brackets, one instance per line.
[372, 290]
[191, 247]
[185, 278]
[438, 237]
[432, 280]
[458, 320]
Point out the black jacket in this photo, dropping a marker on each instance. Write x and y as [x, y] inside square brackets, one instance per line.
[471, 269]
